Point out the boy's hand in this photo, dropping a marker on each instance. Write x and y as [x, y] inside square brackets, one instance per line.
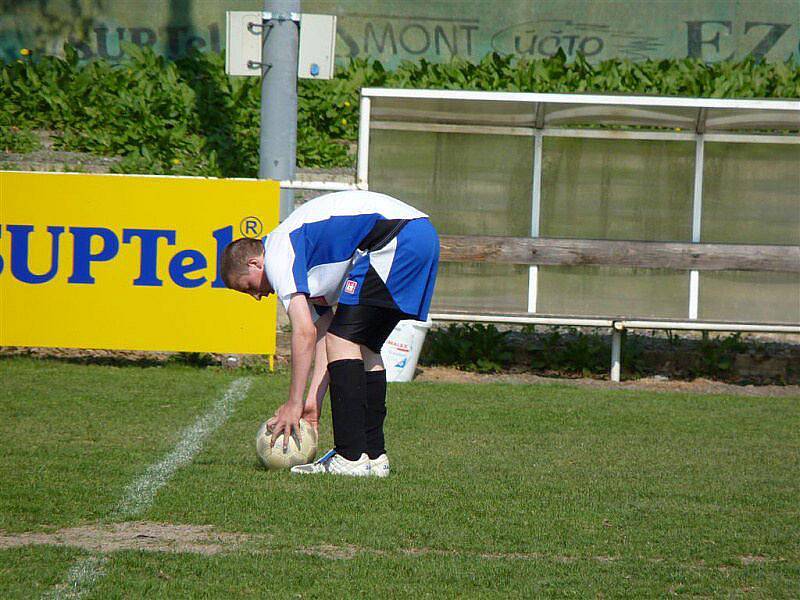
[286, 421]
[311, 413]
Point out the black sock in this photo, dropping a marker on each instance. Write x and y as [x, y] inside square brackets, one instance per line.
[376, 412]
[348, 407]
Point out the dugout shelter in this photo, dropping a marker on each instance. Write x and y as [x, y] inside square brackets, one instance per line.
[598, 210]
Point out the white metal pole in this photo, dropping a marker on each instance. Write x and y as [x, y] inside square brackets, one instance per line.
[536, 191]
[522, 319]
[536, 194]
[616, 353]
[362, 173]
[697, 216]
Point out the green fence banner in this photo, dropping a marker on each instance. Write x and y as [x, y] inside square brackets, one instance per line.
[437, 30]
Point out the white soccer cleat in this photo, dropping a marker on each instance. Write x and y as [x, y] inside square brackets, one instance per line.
[336, 464]
[379, 467]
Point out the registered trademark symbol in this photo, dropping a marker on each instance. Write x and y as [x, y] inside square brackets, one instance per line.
[251, 227]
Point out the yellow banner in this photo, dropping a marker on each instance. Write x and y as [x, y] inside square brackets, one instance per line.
[129, 262]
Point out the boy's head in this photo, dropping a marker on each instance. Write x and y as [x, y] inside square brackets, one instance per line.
[242, 267]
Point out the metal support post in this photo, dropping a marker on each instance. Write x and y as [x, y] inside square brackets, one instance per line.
[278, 143]
[616, 353]
[362, 169]
[536, 201]
[697, 214]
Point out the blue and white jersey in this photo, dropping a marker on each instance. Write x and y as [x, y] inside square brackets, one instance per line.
[312, 251]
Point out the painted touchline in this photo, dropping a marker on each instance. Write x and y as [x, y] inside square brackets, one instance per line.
[139, 495]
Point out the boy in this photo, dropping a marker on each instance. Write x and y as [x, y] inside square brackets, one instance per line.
[375, 259]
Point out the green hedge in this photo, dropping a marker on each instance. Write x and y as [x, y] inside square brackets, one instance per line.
[14, 139]
[188, 117]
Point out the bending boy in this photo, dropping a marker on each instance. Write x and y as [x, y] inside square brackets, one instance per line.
[375, 259]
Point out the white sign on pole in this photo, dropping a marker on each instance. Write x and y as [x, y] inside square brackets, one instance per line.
[243, 44]
[317, 46]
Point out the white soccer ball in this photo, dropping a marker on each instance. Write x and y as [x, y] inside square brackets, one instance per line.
[276, 458]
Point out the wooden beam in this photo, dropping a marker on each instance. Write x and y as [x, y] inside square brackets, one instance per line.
[649, 255]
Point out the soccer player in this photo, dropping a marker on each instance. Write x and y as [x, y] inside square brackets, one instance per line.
[374, 259]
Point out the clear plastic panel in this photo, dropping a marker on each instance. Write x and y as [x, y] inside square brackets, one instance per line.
[617, 189]
[751, 193]
[749, 296]
[466, 112]
[470, 184]
[402, 164]
[726, 119]
[613, 291]
[598, 114]
[481, 288]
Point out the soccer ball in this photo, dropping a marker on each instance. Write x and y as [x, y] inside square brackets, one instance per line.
[275, 458]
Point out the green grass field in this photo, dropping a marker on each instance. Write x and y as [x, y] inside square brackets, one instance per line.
[497, 491]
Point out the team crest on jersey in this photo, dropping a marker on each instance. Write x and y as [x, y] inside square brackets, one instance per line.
[350, 286]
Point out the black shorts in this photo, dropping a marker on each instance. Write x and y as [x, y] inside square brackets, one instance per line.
[364, 324]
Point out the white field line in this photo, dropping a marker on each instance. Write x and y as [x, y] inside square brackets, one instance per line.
[81, 577]
[139, 494]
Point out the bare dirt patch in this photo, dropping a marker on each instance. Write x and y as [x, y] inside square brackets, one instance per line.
[652, 384]
[135, 535]
[750, 559]
[333, 552]
[207, 540]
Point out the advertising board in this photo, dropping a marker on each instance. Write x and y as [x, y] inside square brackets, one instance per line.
[129, 262]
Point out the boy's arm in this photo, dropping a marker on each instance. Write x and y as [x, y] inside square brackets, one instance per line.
[304, 336]
[319, 377]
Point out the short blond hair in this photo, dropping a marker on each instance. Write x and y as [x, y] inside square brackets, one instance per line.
[235, 257]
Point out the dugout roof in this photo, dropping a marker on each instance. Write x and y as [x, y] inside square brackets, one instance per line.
[532, 110]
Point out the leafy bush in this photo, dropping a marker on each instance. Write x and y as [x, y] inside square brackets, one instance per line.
[470, 347]
[676, 77]
[188, 117]
[565, 351]
[717, 355]
[14, 139]
[575, 352]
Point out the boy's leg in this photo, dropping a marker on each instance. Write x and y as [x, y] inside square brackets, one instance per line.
[348, 388]
[376, 402]
[353, 341]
